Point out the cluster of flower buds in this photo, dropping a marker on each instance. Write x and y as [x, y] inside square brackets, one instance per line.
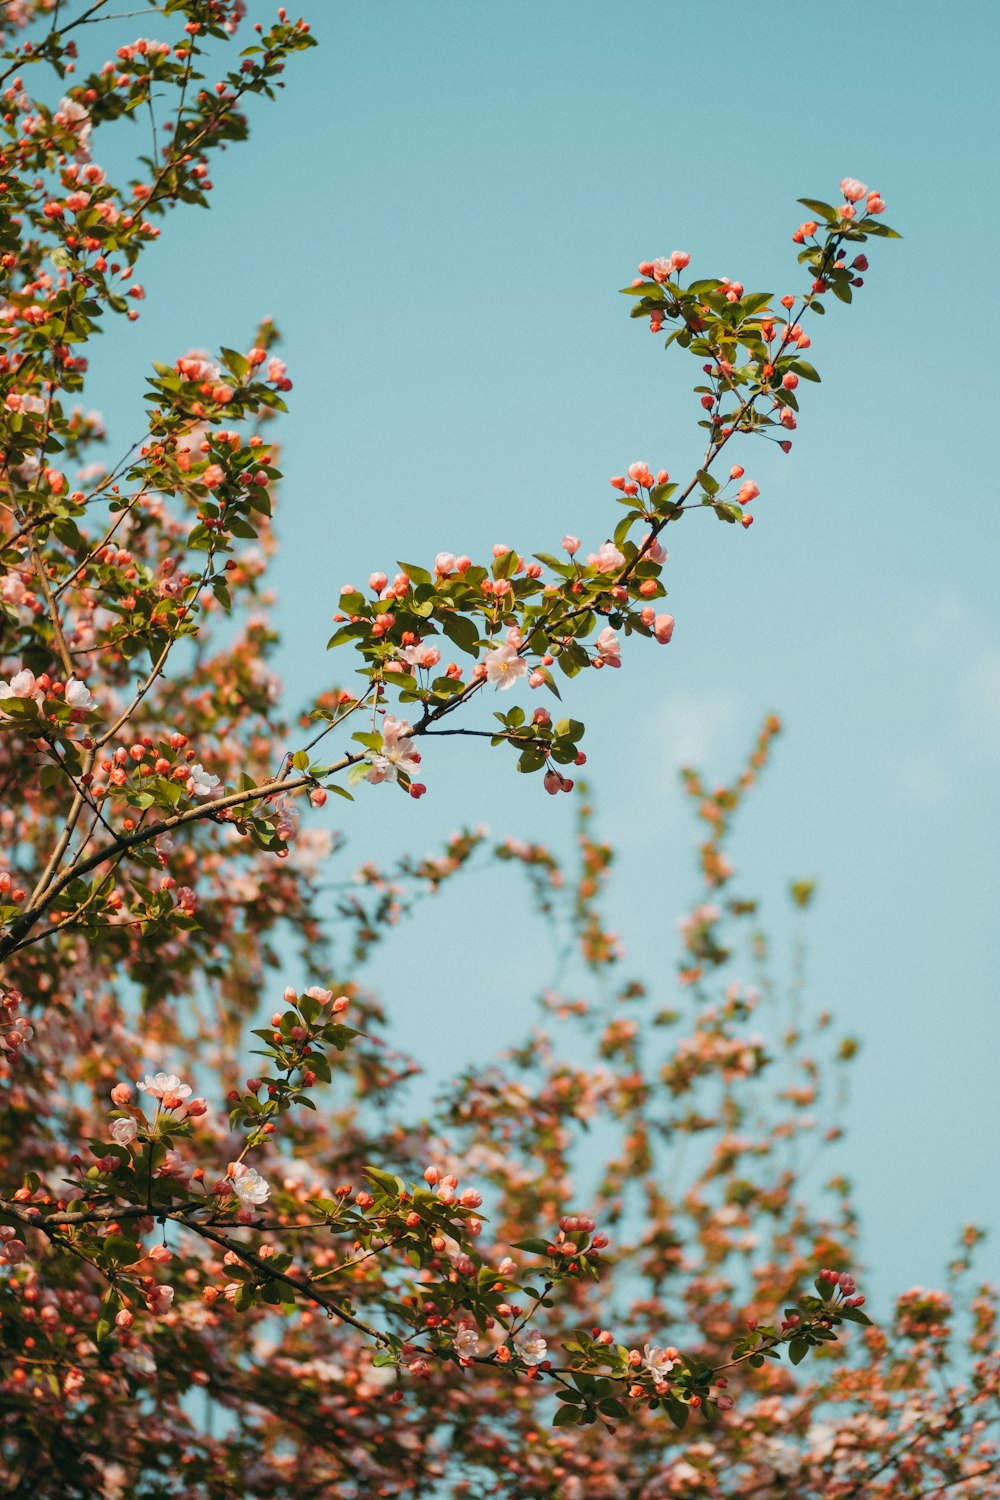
[845, 1285]
[12, 1250]
[15, 1028]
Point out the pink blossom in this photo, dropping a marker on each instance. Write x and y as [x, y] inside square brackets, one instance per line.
[174, 1165]
[504, 666]
[641, 473]
[609, 649]
[159, 1299]
[73, 118]
[124, 1131]
[852, 189]
[663, 628]
[397, 754]
[607, 560]
[164, 1086]
[12, 589]
[571, 544]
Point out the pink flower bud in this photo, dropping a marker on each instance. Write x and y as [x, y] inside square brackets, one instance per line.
[663, 628]
[121, 1094]
[852, 189]
[571, 544]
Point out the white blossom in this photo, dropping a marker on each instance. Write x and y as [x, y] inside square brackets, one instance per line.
[202, 783]
[164, 1086]
[78, 695]
[504, 666]
[250, 1187]
[659, 1362]
[124, 1131]
[531, 1346]
[466, 1342]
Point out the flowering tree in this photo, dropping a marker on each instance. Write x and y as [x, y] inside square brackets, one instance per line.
[286, 1286]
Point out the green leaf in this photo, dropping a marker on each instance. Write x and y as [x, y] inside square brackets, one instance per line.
[462, 631]
[727, 512]
[677, 1411]
[825, 210]
[755, 301]
[797, 1350]
[651, 290]
[237, 363]
[415, 574]
[368, 739]
[661, 492]
[530, 761]
[534, 1246]
[245, 1295]
[389, 1184]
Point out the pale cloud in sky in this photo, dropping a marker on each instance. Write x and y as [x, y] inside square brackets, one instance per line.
[692, 730]
[979, 705]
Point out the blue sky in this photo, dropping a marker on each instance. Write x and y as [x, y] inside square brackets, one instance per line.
[439, 213]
